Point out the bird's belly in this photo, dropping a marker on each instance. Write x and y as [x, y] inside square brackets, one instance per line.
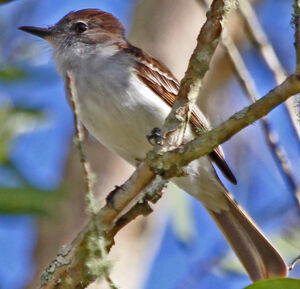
[121, 120]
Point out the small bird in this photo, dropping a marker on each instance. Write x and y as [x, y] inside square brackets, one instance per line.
[123, 93]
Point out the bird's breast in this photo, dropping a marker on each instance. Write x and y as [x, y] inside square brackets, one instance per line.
[119, 109]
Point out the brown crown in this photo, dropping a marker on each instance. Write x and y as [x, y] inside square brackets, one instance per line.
[95, 18]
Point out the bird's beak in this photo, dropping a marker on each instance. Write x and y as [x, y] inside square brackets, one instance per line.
[37, 31]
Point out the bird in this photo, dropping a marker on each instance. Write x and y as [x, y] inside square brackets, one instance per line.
[123, 93]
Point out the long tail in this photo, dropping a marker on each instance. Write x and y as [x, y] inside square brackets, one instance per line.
[259, 257]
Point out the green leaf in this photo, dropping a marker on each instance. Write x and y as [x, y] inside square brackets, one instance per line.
[280, 283]
[180, 211]
[11, 74]
[29, 200]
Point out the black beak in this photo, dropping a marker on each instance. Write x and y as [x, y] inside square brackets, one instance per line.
[37, 31]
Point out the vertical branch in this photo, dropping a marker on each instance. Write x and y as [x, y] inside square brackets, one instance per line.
[264, 47]
[96, 246]
[88, 174]
[297, 34]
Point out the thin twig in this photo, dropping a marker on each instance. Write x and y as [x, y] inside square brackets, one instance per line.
[293, 263]
[264, 47]
[296, 15]
[95, 245]
[88, 174]
[247, 83]
[141, 208]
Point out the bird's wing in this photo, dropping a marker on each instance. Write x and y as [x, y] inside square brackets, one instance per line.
[162, 82]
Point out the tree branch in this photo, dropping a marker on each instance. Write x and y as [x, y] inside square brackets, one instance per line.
[297, 33]
[95, 245]
[264, 47]
[71, 265]
[191, 84]
[248, 85]
[210, 140]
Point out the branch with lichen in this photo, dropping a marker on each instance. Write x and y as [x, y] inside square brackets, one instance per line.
[204, 144]
[191, 84]
[69, 266]
[248, 85]
[95, 245]
[70, 269]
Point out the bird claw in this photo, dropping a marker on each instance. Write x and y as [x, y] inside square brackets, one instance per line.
[155, 138]
[110, 198]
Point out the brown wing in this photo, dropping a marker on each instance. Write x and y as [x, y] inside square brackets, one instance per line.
[162, 82]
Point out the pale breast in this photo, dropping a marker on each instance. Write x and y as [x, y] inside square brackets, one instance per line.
[118, 109]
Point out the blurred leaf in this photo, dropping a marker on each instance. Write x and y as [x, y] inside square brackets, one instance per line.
[231, 264]
[14, 121]
[11, 74]
[5, 1]
[281, 283]
[182, 220]
[29, 201]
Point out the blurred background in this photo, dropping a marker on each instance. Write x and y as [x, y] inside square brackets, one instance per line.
[41, 181]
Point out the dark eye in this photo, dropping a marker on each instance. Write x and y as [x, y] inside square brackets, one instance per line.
[80, 27]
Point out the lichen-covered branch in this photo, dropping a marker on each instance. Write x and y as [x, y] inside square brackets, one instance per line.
[69, 268]
[88, 174]
[95, 246]
[204, 144]
[191, 84]
[248, 85]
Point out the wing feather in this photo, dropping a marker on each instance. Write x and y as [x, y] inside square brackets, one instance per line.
[157, 77]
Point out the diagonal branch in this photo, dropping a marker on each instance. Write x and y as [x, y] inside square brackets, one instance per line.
[71, 261]
[264, 47]
[248, 85]
[191, 84]
[204, 144]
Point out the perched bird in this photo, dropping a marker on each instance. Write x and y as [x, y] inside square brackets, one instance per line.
[123, 93]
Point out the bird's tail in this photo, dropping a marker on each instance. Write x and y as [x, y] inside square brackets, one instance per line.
[259, 257]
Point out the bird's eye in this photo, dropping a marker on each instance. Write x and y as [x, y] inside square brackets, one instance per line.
[80, 27]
